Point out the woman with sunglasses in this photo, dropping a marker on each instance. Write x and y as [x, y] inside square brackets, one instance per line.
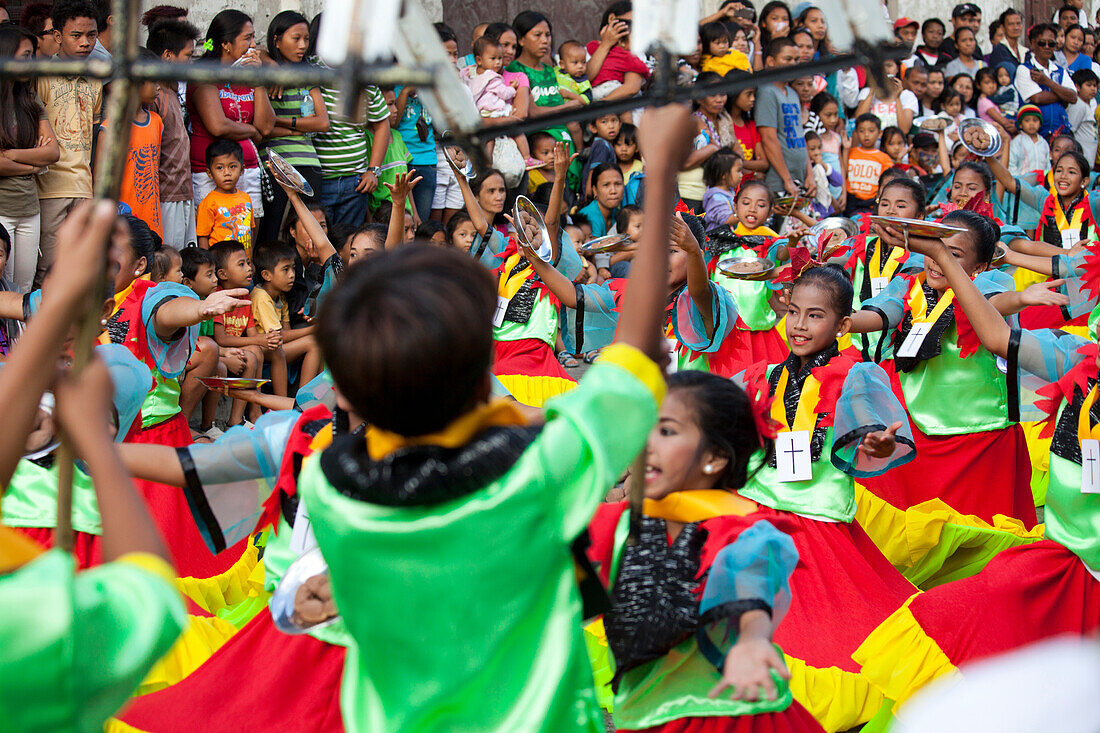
[1044, 83]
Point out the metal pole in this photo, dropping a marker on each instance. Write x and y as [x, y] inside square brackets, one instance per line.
[112, 149]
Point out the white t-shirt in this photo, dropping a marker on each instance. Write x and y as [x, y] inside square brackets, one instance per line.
[1028, 89]
[1082, 115]
[909, 101]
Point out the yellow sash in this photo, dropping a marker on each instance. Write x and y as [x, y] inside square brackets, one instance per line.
[893, 262]
[698, 505]
[918, 304]
[804, 416]
[510, 284]
[1060, 216]
[1085, 429]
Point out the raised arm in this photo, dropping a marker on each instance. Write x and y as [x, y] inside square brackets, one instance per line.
[321, 243]
[665, 139]
[473, 208]
[399, 194]
[180, 313]
[698, 280]
[562, 161]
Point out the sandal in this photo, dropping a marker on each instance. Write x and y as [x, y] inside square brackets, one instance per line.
[591, 356]
[567, 360]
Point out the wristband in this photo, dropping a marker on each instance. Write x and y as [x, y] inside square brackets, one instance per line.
[293, 123]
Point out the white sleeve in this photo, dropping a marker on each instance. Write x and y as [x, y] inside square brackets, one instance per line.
[908, 100]
[848, 87]
[1025, 87]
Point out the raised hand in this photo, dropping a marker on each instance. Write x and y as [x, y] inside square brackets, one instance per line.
[562, 159]
[881, 443]
[402, 186]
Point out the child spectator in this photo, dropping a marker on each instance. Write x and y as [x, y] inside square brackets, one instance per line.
[396, 162]
[754, 161]
[985, 86]
[572, 72]
[829, 196]
[1028, 151]
[893, 143]
[932, 32]
[237, 327]
[627, 153]
[432, 231]
[864, 165]
[141, 177]
[275, 264]
[721, 175]
[174, 41]
[72, 105]
[1006, 98]
[225, 214]
[1082, 113]
[166, 265]
[889, 110]
[629, 222]
[950, 105]
[601, 150]
[542, 150]
[718, 54]
[461, 232]
[492, 95]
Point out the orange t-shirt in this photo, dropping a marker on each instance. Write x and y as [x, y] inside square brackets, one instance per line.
[141, 179]
[864, 168]
[223, 216]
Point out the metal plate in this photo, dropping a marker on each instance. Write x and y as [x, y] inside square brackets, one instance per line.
[45, 444]
[288, 175]
[999, 254]
[973, 132]
[455, 154]
[935, 123]
[282, 600]
[602, 245]
[233, 382]
[742, 267]
[918, 227]
[836, 223]
[782, 202]
[530, 228]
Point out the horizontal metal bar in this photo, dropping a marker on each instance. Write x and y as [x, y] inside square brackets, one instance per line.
[213, 72]
[730, 84]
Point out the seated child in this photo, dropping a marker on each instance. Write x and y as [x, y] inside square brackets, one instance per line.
[197, 267]
[166, 264]
[721, 175]
[492, 95]
[572, 72]
[827, 180]
[226, 212]
[237, 327]
[275, 263]
[1028, 151]
[601, 150]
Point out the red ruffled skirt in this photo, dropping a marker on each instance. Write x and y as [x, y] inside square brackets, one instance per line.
[983, 474]
[260, 681]
[1025, 594]
[87, 548]
[795, 719]
[743, 348]
[172, 515]
[530, 371]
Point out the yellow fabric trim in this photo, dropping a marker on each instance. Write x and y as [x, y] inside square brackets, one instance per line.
[202, 637]
[114, 725]
[535, 391]
[893, 262]
[908, 537]
[151, 563]
[236, 584]
[898, 658]
[805, 419]
[696, 506]
[380, 443]
[839, 700]
[918, 304]
[105, 338]
[508, 285]
[16, 550]
[1085, 429]
[638, 364]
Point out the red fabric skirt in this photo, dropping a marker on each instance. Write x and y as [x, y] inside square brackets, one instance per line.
[173, 517]
[795, 719]
[982, 473]
[743, 348]
[529, 357]
[87, 548]
[1024, 595]
[260, 681]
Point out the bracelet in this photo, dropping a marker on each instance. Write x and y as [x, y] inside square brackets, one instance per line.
[293, 123]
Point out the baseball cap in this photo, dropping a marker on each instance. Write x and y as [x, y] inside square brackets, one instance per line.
[1029, 109]
[903, 22]
[965, 9]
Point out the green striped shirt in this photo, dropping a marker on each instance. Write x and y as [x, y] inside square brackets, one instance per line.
[297, 149]
[345, 149]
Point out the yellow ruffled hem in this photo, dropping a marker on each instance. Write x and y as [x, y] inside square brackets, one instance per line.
[535, 391]
[244, 580]
[1038, 450]
[898, 658]
[839, 700]
[931, 543]
[202, 637]
[114, 725]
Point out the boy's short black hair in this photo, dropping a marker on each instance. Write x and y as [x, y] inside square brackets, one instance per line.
[193, 258]
[222, 251]
[445, 32]
[222, 146]
[568, 45]
[718, 165]
[161, 263]
[1083, 75]
[869, 117]
[268, 257]
[1068, 9]
[776, 45]
[170, 35]
[811, 135]
[408, 337]
[428, 229]
[63, 12]
[536, 137]
[931, 22]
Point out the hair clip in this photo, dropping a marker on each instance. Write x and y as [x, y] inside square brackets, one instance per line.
[208, 45]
